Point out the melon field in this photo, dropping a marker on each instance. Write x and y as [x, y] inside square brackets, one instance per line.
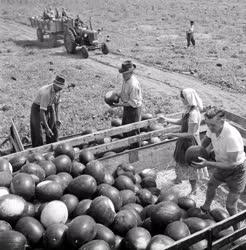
[58, 202]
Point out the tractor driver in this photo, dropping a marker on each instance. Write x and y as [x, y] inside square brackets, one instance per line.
[44, 113]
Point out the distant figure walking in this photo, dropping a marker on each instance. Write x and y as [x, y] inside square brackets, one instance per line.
[190, 35]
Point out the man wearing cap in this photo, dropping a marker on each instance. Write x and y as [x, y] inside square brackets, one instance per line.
[131, 95]
[44, 113]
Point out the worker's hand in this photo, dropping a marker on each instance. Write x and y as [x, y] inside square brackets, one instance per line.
[58, 123]
[49, 132]
[201, 164]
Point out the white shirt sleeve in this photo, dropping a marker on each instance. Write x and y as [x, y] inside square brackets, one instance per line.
[233, 145]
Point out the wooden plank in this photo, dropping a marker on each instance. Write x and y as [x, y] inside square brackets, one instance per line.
[236, 118]
[229, 238]
[15, 135]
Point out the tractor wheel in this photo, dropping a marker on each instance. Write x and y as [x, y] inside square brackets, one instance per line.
[84, 52]
[69, 41]
[105, 49]
[52, 40]
[40, 35]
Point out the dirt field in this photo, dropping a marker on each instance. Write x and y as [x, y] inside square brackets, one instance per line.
[150, 32]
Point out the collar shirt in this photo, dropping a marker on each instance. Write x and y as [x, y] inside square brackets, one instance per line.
[229, 140]
[46, 97]
[131, 92]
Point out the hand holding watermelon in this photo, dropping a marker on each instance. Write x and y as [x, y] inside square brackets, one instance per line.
[201, 164]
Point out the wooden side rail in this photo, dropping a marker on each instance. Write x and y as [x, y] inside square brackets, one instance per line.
[208, 232]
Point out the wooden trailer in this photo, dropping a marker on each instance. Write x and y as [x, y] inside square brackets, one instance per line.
[151, 156]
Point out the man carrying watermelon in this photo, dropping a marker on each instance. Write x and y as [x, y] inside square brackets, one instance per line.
[130, 95]
[45, 113]
[229, 165]
[188, 136]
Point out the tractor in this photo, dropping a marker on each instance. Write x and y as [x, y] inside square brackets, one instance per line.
[78, 34]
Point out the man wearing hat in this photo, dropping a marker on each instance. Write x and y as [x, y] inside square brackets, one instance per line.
[44, 113]
[131, 95]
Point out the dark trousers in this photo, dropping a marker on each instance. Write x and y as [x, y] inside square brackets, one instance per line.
[190, 39]
[131, 115]
[36, 126]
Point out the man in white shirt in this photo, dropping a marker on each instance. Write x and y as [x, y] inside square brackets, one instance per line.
[44, 113]
[190, 35]
[130, 96]
[229, 167]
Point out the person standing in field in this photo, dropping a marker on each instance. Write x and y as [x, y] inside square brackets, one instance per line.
[45, 113]
[130, 95]
[229, 165]
[188, 136]
[190, 35]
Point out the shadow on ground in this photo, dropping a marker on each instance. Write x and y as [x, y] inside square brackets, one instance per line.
[46, 44]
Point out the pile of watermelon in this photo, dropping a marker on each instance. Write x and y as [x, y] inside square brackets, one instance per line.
[57, 202]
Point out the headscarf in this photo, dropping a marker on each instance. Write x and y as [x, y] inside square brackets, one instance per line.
[193, 99]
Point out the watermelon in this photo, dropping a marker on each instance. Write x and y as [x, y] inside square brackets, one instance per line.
[3, 191]
[104, 233]
[96, 245]
[159, 242]
[5, 166]
[82, 229]
[127, 196]
[102, 210]
[145, 197]
[123, 182]
[35, 157]
[148, 182]
[108, 179]
[31, 229]
[17, 162]
[82, 208]
[195, 224]
[219, 214]
[95, 169]
[193, 152]
[111, 97]
[54, 212]
[66, 178]
[48, 166]
[137, 207]
[63, 163]
[83, 186]
[116, 122]
[12, 240]
[48, 191]
[146, 212]
[5, 178]
[34, 169]
[23, 185]
[65, 149]
[124, 221]
[200, 245]
[77, 168]
[186, 203]
[148, 172]
[55, 236]
[29, 210]
[112, 193]
[86, 156]
[136, 238]
[177, 230]
[71, 201]
[4, 226]
[11, 207]
[165, 213]
[146, 116]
